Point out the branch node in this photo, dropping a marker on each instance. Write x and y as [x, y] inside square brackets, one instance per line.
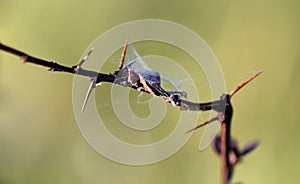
[24, 58]
[175, 100]
[51, 68]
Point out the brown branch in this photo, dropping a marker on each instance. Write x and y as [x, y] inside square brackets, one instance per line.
[53, 66]
[224, 167]
[222, 106]
[225, 116]
[101, 77]
[225, 119]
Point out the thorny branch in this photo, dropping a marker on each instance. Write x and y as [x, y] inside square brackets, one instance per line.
[226, 148]
[97, 77]
[53, 66]
[223, 144]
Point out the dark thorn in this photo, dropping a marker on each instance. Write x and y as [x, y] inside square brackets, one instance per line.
[248, 148]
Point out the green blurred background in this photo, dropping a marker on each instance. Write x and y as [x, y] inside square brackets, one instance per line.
[39, 138]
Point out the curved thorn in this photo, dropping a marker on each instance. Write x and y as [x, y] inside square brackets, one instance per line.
[244, 83]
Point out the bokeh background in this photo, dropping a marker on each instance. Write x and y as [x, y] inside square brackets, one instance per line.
[40, 141]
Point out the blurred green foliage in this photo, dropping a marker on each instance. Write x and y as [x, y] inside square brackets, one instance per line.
[39, 138]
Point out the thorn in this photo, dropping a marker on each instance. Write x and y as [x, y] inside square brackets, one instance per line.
[88, 94]
[85, 57]
[77, 67]
[123, 54]
[203, 124]
[244, 83]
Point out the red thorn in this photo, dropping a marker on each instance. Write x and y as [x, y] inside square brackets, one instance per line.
[244, 83]
[123, 54]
